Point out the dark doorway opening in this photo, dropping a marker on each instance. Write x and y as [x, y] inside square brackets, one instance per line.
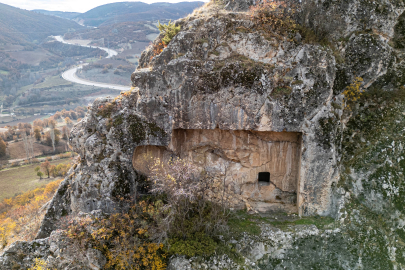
[264, 178]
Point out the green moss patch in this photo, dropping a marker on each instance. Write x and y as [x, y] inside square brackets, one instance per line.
[198, 244]
[318, 221]
[280, 92]
[241, 221]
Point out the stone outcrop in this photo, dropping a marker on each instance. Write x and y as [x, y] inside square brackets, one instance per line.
[239, 157]
[221, 73]
[57, 250]
[227, 95]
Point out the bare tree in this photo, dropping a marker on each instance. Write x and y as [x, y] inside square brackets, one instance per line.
[31, 143]
[26, 144]
[52, 133]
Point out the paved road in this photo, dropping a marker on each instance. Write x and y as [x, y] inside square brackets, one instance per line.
[110, 52]
[70, 75]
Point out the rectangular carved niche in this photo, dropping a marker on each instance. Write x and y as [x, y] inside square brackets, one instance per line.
[262, 167]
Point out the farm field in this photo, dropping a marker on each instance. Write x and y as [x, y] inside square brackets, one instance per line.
[10, 121]
[49, 82]
[22, 179]
[16, 150]
[11, 47]
[31, 57]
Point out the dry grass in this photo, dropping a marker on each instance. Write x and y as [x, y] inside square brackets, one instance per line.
[21, 179]
[208, 9]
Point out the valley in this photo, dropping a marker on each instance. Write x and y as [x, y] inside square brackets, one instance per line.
[88, 57]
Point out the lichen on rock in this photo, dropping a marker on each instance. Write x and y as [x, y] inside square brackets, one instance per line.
[221, 80]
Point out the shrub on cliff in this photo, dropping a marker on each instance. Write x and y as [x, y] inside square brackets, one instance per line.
[274, 15]
[312, 21]
[353, 92]
[185, 215]
[192, 198]
[169, 30]
[124, 239]
[318, 23]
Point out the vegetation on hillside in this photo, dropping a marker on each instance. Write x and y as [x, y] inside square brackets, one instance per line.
[184, 214]
[20, 216]
[20, 26]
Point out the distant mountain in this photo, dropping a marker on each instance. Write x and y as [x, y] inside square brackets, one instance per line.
[23, 26]
[61, 14]
[135, 11]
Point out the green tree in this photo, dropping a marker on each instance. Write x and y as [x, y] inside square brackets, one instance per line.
[38, 171]
[3, 148]
[170, 30]
[40, 174]
[46, 167]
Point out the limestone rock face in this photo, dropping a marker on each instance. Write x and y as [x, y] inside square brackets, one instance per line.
[234, 99]
[56, 250]
[242, 159]
[219, 73]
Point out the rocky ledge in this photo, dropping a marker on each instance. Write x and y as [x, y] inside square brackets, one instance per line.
[223, 73]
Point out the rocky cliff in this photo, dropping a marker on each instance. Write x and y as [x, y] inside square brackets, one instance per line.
[220, 93]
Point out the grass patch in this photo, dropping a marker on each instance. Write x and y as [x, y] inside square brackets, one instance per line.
[198, 244]
[91, 60]
[4, 72]
[244, 61]
[240, 221]
[21, 179]
[336, 106]
[49, 82]
[53, 82]
[318, 221]
[279, 92]
[297, 82]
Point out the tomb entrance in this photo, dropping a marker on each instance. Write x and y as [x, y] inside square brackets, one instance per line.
[261, 167]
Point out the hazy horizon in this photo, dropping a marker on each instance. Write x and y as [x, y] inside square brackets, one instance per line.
[74, 5]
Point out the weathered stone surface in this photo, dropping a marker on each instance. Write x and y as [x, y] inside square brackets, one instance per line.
[242, 92]
[238, 157]
[220, 73]
[221, 76]
[56, 250]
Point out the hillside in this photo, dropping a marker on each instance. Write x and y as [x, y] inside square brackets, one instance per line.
[18, 26]
[135, 11]
[116, 33]
[61, 14]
